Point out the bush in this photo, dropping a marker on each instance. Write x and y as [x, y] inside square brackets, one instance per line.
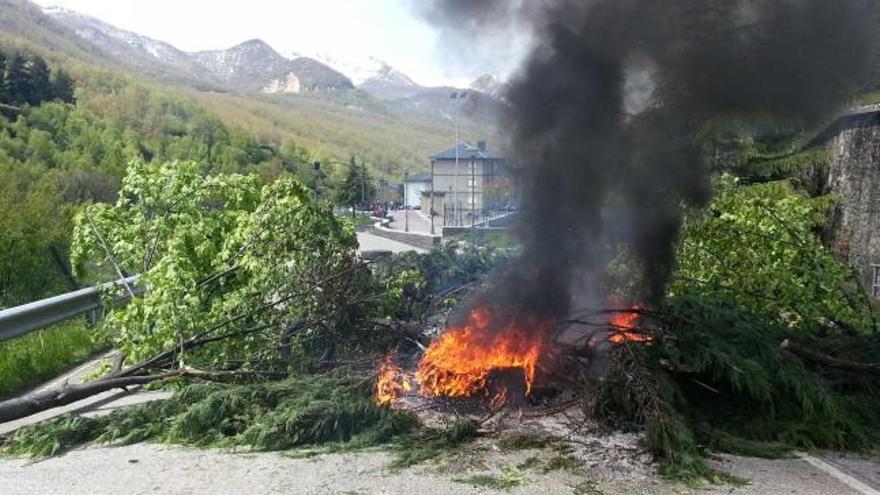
[222, 256]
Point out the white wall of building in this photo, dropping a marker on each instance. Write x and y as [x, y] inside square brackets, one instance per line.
[413, 193]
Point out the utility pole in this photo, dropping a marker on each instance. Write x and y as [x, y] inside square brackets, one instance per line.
[431, 213]
[473, 202]
[405, 204]
[456, 207]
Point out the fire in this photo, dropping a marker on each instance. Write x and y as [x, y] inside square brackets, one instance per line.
[499, 399]
[392, 382]
[459, 363]
[623, 326]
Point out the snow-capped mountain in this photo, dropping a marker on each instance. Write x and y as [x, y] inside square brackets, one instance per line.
[490, 85]
[373, 75]
[149, 55]
[360, 71]
[256, 66]
[252, 66]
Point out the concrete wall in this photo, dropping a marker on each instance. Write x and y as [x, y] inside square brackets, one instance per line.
[424, 241]
[438, 202]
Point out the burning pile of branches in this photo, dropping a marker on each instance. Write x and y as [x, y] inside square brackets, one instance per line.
[463, 361]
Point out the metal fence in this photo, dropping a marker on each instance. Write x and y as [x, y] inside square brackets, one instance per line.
[21, 320]
[478, 218]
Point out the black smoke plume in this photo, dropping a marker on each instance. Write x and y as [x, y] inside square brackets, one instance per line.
[604, 110]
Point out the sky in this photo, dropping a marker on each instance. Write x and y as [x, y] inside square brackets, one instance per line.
[346, 29]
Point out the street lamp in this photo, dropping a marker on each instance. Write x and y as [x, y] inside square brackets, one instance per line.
[383, 196]
[363, 185]
[405, 201]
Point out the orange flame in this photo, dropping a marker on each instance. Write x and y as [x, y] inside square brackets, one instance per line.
[458, 364]
[499, 399]
[392, 382]
[623, 326]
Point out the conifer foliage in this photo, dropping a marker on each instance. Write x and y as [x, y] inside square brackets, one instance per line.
[28, 80]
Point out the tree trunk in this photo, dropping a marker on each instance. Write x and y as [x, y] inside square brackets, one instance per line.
[829, 361]
[33, 403]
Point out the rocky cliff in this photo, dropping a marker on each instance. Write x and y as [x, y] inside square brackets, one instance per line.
[853, 177]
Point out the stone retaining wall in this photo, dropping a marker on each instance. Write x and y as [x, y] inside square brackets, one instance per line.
[423, 241]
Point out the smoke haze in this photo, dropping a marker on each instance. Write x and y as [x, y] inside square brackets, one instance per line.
[604, 109]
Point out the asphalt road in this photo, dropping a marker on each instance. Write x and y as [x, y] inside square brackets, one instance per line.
[418, 222]
[145, 468]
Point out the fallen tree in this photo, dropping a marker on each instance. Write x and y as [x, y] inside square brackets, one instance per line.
[765, 342]
[35, 402]
[246, 281]
[712, 375]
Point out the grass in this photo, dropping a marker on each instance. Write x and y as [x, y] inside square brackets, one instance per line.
[510, 477]
[498, 239]
[359, 218]
[37, 357]
[524, 441]
[432, 444]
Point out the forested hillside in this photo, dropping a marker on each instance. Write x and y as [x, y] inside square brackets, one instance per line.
[335, 125]
[58, 152]
[75, 116]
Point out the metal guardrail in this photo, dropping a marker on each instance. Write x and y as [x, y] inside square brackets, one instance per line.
[21, 320]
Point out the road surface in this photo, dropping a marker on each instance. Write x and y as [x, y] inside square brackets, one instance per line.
[418, 222]
[145, 468]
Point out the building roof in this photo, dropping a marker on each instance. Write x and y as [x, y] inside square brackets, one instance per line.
[466, 151]
[420, 177]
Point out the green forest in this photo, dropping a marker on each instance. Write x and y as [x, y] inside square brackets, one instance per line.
[57, 154]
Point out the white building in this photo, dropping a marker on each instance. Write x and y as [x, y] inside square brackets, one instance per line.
[473, 177]
[414, 187]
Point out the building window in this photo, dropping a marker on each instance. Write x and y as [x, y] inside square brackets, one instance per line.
[875, 281]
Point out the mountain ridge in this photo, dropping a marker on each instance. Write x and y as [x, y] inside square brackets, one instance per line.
[254, 66]
[250, 66]
[392, 134]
